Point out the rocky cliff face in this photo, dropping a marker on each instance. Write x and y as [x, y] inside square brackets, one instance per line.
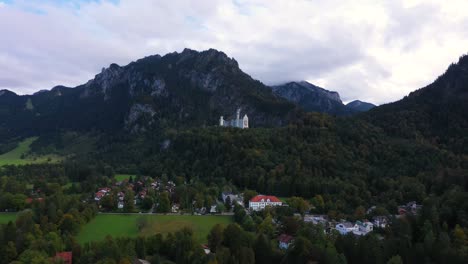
[176, 90]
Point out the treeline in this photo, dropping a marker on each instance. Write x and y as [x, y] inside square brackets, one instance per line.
[48, 227]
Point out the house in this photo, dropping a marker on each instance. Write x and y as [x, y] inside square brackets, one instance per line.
[284, 241]
[101, 193]
[346, 227]
[316, 219]
[175, 208]
[206, 249]
[66, 257]
[380, 221]
[363, 228]
[259, 202]
[142, 194]
[98, 196]
[410, 208]
[104, 190]
[233, 197]
[121, 196]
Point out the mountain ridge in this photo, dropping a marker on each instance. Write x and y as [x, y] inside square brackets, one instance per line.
[313, 98]
[189, 88]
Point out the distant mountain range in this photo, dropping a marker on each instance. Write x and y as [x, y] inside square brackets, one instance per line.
[193, 89]
[316, 99]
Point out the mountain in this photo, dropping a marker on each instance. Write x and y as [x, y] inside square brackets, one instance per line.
[313, 98]
[360, 106]
[436, 113]
[176, 90]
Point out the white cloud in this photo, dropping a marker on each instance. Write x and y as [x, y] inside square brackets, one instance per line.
[370, 50]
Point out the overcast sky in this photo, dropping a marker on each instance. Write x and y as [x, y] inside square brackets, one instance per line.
[376, 51]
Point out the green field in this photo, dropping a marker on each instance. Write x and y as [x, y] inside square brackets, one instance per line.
[13, 157]
[126, 225]
[6, 217]
[121, 177]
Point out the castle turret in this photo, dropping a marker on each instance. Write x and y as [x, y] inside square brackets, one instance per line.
[238, 121]
[245, 121]
[221, 121]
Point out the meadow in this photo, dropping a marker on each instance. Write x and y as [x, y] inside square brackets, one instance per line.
[119, 225]
[6, 217]
[121, 177]
[20, 155]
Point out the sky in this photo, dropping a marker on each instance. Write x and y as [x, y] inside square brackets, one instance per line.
[376, 51]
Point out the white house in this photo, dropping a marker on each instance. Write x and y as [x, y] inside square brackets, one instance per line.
[380, 221]
[346, 227]
[363, 228]
[259, 202]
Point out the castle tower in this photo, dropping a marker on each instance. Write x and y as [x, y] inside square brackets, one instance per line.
[238, 122]
[245, 121]
[221, 121]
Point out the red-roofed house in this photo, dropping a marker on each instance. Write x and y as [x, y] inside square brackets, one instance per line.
[65, 256]
[285, 241]
[259, 202]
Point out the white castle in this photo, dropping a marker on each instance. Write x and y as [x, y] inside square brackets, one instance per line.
[240, 123]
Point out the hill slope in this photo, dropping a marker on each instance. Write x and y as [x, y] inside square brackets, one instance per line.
[437, 113]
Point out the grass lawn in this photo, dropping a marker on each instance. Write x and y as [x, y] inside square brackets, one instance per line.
[121, 177]
[69, 184]
[6, 217]
[126, 225]
[13, 157]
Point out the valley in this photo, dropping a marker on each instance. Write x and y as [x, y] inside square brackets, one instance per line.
[136, 164]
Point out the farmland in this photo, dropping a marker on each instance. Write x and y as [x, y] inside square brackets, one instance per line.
[118, 225]
[21, 156]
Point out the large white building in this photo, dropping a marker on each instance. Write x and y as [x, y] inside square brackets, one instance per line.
[238, 122]
[259, 202]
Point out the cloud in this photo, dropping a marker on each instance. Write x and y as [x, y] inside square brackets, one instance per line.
[369, 50]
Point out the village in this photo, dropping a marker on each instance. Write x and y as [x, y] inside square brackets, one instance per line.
[141, 189]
